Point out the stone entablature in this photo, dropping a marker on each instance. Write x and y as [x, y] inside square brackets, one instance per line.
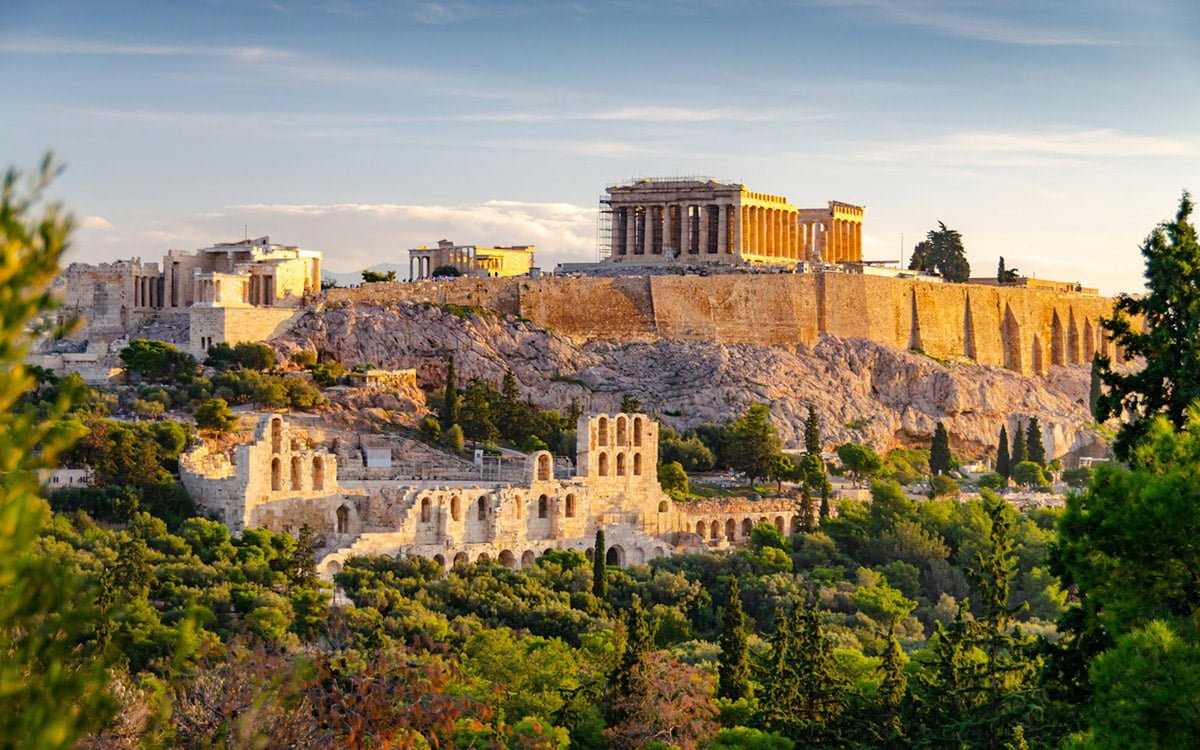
[652, 221]
[470, 260]
[280, 482]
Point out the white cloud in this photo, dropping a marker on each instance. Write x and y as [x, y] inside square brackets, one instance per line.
[96, 222]
[356, 235]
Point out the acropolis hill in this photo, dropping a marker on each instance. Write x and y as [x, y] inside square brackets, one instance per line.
[1025, 330]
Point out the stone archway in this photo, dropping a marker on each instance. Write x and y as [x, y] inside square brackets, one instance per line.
[508, 559]
[461, 559]
[528, 558]
[615, 556]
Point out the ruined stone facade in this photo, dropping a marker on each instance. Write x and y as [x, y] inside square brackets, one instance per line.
[1022, 329]
[281, 481]
[228, 293]
[654, 221]
[470, 260]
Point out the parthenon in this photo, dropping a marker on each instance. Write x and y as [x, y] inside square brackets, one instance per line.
[691, 220]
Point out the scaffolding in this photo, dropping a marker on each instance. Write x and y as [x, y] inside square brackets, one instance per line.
[604, 230]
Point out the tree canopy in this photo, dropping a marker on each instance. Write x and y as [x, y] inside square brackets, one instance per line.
[1161, 329]
[941, 252]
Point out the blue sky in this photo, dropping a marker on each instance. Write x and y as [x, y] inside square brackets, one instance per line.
[1055, 134]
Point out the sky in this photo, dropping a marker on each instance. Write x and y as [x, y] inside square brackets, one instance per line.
[1055, 134]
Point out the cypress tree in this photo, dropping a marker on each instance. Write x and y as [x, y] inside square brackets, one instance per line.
[450, 401]
[1003, 463]
[939, 451]
[599, 573]
[824, 506]
[812, 432]
[1034, 450]
[892, 688]
[638, 640]
[1019, 452]
[779, 680]
[1094, 391]
[822, 690]
[733, 666]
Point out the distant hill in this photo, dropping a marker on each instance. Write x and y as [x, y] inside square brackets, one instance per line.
[350, 278]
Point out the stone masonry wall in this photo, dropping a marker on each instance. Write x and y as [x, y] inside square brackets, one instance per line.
[1026, 330]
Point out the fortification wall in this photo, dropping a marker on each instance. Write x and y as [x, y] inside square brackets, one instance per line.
[1022, 329]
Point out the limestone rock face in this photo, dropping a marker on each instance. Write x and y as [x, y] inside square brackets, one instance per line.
[863, 391]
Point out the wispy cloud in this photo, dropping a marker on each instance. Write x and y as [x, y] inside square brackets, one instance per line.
[974, 21]
[61, 46]
[96, 222]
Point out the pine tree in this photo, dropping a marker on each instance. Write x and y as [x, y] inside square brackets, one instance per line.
[812, 432]
[1019, 452]
[450, 402]
[939, 454]
[1003, 462]
[733, 666]
[599, 573]
[1034, 451]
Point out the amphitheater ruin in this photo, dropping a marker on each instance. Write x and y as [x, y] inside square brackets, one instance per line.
[285, 477]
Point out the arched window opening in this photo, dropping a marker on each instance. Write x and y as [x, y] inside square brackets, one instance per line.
[508, 559]
[662, 506]
[544, 469]
[637, 432]
[746, 526]
[528, 558]
[700, 528]
[543, 507]
[602, 431]
[637, 464]
[614, 556]
[296, 473]
[455, 511]
[715, 531]
[730, 530]
[426, 510]
[779, 525]
[460, 559]
[318, 473]
[603, 464]
[276, 475]
[343, 519]
[481, 512]
[570, 511]
[276, 435]
[440, 560]
[620, 464]
[622, 430]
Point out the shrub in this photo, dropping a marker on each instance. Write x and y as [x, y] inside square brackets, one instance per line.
[214, 414]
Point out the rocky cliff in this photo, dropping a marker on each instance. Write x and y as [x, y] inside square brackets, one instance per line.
[864, 391]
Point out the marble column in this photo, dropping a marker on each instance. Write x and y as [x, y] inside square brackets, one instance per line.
[648, 230]
[668, 241]
[630, 230]
[723, 229]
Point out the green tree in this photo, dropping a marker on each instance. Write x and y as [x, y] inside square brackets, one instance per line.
[630, 404]
[1095, 388]
[1019, 450]
[214, 414]
[941, 485]
[942, 252]
[157, 360]
[53, 682]
[599, 569]
[812, 432]
[476, 416]
[1161, 328]
[672, 478]
[893, 686]
[454, 438]
[446, 272]
[1003, 461]
[754, 442]
[733, 664]
[859, 460]
[372, 277]
[1029, 474]
[940, 461]
[450, 398]
[1006, 275]
[1034, 450]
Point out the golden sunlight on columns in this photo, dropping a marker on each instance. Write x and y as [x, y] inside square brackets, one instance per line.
[723, 230]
